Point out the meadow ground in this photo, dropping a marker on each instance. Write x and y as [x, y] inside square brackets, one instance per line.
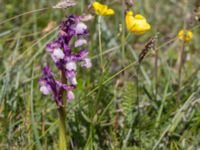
[119, 103]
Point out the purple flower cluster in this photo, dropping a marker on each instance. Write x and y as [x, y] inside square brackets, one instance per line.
[73, 35]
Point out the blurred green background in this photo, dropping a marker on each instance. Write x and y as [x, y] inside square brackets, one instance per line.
[126, 106]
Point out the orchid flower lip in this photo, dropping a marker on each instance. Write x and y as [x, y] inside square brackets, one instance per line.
[71, 66]
[80, 28]
[45, 90]
[58, 53]
[70, 95]
[73, 81]
[80, 42]
[86, 63]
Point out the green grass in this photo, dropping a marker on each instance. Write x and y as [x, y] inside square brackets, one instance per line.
[126, 106]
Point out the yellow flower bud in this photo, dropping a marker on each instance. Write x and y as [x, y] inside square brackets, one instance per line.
[137, 24]
[185, 35]
[102, 10]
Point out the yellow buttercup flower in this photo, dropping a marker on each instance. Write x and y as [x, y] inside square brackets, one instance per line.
[137, 24]
[185, 35]
[102, 10]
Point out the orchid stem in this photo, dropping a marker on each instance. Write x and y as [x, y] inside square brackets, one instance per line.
[63, 141]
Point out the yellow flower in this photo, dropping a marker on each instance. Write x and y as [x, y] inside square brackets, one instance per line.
[137, 24]
[102, 10]
[185, 35]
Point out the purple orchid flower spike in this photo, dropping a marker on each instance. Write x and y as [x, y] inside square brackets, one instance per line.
[62, 54]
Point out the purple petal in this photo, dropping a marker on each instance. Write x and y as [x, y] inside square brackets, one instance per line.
[68, 87]
[67, 49]
[47, 71]
[53, 45]
[81, 55]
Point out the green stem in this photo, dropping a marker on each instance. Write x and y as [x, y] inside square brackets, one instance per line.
[63, 141]
[181, 64]
[182, 55]
[138, 99]
[123, 35]
[100, 43]
[156, 74]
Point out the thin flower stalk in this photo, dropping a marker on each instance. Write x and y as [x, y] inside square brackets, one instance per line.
[185, 36]
[101, 10]
[123, 33]
[100, 43]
